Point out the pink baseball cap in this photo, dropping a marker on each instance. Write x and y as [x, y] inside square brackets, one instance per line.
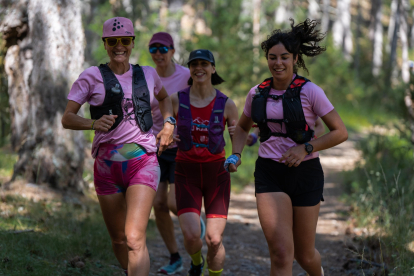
[162, 38]
[118, 26]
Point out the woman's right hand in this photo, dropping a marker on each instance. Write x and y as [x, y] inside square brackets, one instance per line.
[231, 163]
[104, 123]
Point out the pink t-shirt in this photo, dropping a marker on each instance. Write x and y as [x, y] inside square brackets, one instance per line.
[89, 88]
[315, 104]
[172, 84]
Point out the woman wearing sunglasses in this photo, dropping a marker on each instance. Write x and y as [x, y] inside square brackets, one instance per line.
[174, 78]
[289, 178]
[202, 112]
[126, 170]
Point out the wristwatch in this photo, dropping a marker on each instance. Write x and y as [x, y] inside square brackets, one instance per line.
[171, 120]
[308, 148]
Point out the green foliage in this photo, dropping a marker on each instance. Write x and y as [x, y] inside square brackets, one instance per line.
[382, 193]
[7, 161]
[62, 231]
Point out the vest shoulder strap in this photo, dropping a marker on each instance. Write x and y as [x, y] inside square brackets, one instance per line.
[111, 83]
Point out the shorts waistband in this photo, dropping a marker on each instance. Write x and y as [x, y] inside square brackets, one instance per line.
[120, 152]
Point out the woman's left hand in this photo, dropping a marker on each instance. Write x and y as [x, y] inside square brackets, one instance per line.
[165, 137]
[294, 156]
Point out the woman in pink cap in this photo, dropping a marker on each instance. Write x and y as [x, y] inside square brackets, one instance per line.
[174, 78]
[126, 170]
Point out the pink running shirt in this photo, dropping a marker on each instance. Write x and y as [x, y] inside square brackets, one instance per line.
[173, 83]
[315, 104]
[89, 88]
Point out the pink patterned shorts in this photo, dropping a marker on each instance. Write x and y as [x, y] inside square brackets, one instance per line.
[119, 166]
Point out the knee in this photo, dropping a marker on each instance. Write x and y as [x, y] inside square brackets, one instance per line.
[281, 255]
[136, 241]
[305, 258]
[172, 206]
[191, 237]
[213, 242]
[160, 206]
[119, 240]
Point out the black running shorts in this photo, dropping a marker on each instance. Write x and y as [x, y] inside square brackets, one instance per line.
[303, 184]
[167, 165]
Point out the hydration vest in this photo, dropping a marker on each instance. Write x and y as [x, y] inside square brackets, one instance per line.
[112, 104]
[297, 128]
[215, 128]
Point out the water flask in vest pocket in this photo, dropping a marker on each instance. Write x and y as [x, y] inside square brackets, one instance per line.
[116, 89]
[258, 109]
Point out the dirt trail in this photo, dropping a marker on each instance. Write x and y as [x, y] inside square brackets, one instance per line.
[246, 248]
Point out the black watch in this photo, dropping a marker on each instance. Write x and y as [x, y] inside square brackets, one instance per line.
[308, 148]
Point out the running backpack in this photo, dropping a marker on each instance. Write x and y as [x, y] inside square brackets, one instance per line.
[297, 128]
[112, 104]
[185, 123]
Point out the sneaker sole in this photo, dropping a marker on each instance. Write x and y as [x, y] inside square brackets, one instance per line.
[176, 271]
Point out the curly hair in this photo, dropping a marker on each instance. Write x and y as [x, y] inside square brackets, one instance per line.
[301, 40]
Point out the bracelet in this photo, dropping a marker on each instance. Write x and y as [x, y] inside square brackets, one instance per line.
[238, 154]
[93, 124]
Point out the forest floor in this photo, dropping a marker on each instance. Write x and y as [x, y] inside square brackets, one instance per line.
[246, 247]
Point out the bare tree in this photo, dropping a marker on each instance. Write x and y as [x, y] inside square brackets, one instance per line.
[313, 10]
[376, 31]
[256, 37]
[342, 34]
[45, 55]
[395, 21]
[405, 74]
[392, 24]
[284, 12]
[325, 15]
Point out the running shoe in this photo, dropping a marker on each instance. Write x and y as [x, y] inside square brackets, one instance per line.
[172, 268]
[196, 270]
[203, 228]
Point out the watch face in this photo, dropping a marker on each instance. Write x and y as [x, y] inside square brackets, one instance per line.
[309, 148]
[173, 120]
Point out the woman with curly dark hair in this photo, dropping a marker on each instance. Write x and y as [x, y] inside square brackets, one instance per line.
[288, 177]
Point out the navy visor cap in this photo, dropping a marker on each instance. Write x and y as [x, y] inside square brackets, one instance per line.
[201, 54]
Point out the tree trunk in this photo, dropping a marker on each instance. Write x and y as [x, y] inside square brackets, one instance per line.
[391, 25]
[313, 10]
[357, 42]
[45, 56]
[342, 28]
[392, 72]
[376, 33]
[284, 12]
[256, 38]
[325, 15]
[405, 74]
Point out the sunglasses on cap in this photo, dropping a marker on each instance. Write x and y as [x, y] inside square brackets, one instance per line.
[162, 49]
[113, 41]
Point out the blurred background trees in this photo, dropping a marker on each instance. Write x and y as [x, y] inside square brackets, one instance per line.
[366, 73]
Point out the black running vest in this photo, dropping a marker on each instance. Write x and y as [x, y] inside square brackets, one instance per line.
[293, 117]
[112, 104]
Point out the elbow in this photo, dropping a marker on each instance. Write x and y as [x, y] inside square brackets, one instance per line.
[344, 135]
[64, 124]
